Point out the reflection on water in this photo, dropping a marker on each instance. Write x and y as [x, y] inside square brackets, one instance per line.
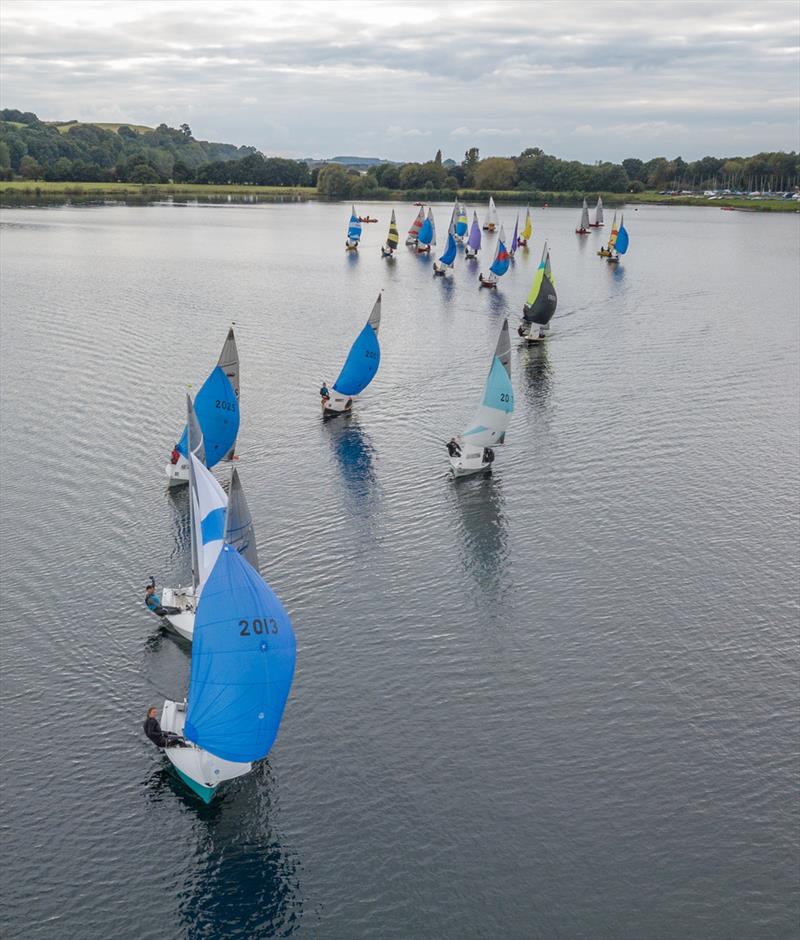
[538, 373]
[483, 529]
[244, 882]
[355, 458]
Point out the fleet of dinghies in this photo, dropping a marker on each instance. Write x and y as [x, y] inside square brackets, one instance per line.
[243, 644]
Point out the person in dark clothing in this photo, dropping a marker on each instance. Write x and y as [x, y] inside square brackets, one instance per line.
[488, 455]
[453, 448]
[324, 394]
[153, 602]
[161, 738]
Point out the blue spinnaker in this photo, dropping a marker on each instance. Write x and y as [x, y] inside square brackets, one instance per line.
[217, 410]
[622, 240]
[426, 232]
[243, 655]
[498, 392]
[450, 251]
[501, 261]
[354, 228]
[361, 364]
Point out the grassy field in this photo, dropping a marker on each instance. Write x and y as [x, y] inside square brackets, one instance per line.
[20, 188]
[139, 128]
[150, 189]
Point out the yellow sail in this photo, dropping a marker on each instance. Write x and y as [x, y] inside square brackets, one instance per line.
[528, 230]
[542, 271]
[394, 236]
[612, 238]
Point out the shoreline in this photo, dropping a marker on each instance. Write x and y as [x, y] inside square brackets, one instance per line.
[16, 192]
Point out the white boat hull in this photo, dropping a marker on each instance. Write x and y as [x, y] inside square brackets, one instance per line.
[337, 404]
[185, 599]
[178, 473]
[469, 253]
[469, 462]
[201, 771]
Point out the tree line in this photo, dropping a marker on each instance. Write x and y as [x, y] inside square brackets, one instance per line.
[36, 150]
[535, 170]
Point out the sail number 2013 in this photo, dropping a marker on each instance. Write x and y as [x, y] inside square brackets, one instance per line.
[258, 626]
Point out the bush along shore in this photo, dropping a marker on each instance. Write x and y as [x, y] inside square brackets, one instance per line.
[33, 192]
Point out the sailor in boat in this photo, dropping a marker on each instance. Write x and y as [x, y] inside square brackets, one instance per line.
[488, 455]
[153, 602]
[161, 738]
[324, 394]
[175, 456]
[453, 447]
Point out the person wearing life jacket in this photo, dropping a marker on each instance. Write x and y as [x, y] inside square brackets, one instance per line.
[324, 394]
[175, 456]
[160, 738]
[153, 602]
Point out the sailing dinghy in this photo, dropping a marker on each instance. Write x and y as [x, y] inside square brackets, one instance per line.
[514, 239]
[541, 304]
[416, 225]
[612, 240]
[207, 505]
[527, 229]
[392, 239]
[353, 232]
[359, 368]
[243, 659]
[217, 409]
[598, 214]
[474, 242]
[472, 451]
[583, 228]
[427, 234]
[447, 258]
[462, 226]
[490, 225]
[500, 263]
[621, 243]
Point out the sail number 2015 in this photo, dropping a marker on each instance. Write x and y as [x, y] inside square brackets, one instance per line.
[258, 626]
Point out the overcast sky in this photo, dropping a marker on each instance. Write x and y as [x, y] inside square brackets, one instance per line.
[582, 80]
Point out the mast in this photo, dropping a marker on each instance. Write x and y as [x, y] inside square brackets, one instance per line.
[191, 424]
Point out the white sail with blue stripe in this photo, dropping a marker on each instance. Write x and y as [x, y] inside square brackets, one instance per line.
[493, 415]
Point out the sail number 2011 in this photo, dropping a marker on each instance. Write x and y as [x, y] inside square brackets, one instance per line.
[258, 626]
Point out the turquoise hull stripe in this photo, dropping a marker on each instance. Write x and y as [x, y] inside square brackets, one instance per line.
[205, 793]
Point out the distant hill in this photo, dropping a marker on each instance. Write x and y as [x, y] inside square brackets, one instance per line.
[90, 151]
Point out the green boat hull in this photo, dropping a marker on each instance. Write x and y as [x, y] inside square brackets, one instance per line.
[205, 793]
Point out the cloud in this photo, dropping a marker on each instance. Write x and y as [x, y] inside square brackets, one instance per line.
[598, 81]
[396, 131]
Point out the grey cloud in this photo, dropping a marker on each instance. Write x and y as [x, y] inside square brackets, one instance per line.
[315, 78]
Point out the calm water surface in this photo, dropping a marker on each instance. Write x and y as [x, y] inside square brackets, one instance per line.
[559, 702]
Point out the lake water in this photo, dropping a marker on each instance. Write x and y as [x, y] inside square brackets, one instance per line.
[558, 702]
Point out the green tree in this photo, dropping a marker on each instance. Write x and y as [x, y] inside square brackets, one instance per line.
[469, 164]
[30, 169]
[634, 167]
[438, 158]
[5, 156]
[144, 173]
[333, 181]
[495, 173]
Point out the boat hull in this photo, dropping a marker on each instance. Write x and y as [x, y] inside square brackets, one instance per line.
[423, 249]
[469, 254]
[201, 771]
[581, 231]
[185, 599]
[336, 405]
[490, 228]
[178, 473]
[487, 282]
[469, 463]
